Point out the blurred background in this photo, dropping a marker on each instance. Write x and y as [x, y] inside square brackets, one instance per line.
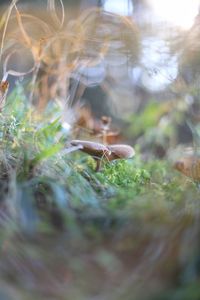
[140, 68]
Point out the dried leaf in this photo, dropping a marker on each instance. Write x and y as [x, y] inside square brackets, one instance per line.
[4, 85]
[189, 166]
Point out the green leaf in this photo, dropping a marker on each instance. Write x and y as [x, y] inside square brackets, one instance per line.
[47, 153]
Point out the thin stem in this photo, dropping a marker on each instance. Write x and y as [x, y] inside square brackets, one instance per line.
[6, 25]
[98, 165]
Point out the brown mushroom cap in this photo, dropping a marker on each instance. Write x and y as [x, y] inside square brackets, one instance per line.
[120, 151]
[92, 148]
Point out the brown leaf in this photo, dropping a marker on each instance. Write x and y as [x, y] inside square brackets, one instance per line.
[189, 166]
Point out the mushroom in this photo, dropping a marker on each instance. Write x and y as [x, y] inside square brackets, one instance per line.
[105, 127]
[99, 151]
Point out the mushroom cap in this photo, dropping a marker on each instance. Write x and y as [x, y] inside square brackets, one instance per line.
[120, 151]
[99, 150]
[92, 148]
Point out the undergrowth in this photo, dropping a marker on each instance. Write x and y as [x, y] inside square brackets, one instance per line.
[35, 162]
[56, 198]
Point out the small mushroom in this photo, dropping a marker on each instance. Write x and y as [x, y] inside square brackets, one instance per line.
[99, 151]
[105, 127]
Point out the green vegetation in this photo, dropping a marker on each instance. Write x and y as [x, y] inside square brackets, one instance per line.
[53, 202]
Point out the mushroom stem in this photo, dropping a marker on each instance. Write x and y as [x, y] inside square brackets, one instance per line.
[98, 165]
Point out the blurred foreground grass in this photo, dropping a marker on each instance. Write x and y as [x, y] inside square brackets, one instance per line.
[66, 232]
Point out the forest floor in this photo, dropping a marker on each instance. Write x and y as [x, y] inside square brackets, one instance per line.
[130, 231]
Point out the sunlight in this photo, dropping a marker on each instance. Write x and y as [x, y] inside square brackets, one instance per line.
[122, 7]
[159, 67]
[177, 12]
